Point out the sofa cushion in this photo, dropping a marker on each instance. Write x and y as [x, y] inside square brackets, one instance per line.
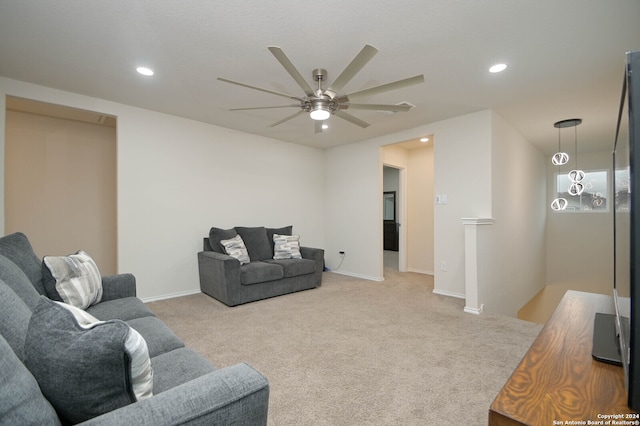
[125, 309]
[21, 401]
[259, 272]
[177, 367]
[295, 267]
[286, 247]
[159, 337]
[85, 372]
[235, 248]
[218, 234]
[17, 248]
[73, 279]
[256, 241]
[15, 319]
[18, 281]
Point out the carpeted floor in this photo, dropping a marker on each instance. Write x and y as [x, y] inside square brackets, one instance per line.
[358, 352]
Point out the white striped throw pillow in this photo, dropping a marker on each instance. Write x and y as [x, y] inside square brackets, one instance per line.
[235, 247]
[76, 279]
[286, 247]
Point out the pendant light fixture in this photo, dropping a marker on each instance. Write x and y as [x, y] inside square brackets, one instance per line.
[576, 176]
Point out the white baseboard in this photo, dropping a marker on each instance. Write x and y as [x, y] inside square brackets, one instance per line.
[449, 293]
[418, 271]
[475, 311]
[170, 296]
[351, 274]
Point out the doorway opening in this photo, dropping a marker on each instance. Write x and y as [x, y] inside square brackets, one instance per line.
[407, 203]
[393, 199]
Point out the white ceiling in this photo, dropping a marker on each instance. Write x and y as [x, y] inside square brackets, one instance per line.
[565, 59]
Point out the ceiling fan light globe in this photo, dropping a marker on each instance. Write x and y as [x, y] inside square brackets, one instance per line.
[319, 114]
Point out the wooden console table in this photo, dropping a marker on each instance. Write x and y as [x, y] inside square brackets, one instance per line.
[557, 381]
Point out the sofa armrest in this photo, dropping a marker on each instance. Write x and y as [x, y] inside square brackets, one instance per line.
[233, 395]
[315, 254]
[219, 275]
[118, 286]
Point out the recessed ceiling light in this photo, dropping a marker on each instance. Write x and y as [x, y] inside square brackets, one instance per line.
[145, 71]
[424, 140]
[498, 68]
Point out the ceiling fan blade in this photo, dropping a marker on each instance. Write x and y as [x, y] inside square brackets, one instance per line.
[317, 125]
[387, 87]
[288, 118]
[291, 69]
[353, 68]
[380, 107]
[259, 88]
[266, 107]
[350, 118]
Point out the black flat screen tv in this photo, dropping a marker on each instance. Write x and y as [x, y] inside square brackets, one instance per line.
[617, 337]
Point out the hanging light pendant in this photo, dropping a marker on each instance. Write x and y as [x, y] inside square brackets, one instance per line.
[560, 158]
[559, 204]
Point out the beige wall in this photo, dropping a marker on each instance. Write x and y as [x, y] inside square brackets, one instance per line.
[420, 210]
[60, 180]
[513, 259]
[462, 172]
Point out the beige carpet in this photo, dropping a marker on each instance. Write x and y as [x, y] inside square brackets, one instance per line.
[357, 352]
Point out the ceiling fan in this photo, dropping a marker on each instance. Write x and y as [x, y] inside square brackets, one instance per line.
[322, 103]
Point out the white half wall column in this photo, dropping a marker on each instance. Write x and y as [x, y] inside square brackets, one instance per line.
[473, 302]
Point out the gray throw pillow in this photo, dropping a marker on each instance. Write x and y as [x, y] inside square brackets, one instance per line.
[256, 241]
[84, 370]
[218, 234]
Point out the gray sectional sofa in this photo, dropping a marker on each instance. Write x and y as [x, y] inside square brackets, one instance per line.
[266, 274]
[55, 371]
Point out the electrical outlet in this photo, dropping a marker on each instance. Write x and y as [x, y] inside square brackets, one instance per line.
[443, 266]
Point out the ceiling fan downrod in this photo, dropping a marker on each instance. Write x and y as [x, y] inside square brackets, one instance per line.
[319, 75]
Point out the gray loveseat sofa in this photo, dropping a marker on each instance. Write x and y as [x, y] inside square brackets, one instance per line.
[226, 279]
[186, 389]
